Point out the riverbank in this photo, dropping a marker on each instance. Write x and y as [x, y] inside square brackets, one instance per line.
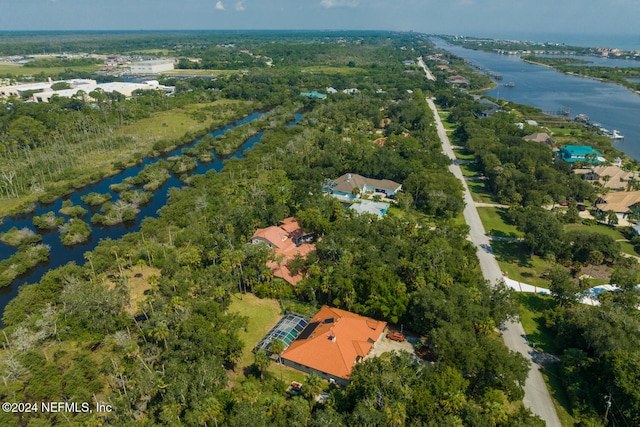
[574, 74]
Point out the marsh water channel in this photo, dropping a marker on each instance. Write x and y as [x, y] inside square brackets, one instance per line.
[61, 255]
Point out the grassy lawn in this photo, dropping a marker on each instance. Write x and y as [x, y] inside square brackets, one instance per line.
[531, 308]
[514, 260]
[263, 314]
[463, 155]
[494, 223]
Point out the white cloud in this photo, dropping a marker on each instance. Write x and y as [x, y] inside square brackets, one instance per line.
[219, 5]
[240, 5]
[338, 3]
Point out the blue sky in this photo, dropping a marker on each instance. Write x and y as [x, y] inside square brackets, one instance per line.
[466, 17]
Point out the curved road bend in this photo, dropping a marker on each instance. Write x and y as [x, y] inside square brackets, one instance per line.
[536, 394]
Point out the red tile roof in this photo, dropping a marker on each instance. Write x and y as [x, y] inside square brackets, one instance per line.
[282, 239]
[339, 339]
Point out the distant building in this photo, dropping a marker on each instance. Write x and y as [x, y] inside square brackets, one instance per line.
[332, 343]
[351, 91]
[314, 94]
[22, 89]
[612, 177]
[152, 67]
[125, 89]
[580, 153]
[331, 90]
[350, 183]
[288, 239]
[457, 80]
[541, 137]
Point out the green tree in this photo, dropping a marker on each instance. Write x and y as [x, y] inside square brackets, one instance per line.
[562, 287]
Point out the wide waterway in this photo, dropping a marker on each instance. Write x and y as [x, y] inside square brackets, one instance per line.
[611, 105]
[61, 254]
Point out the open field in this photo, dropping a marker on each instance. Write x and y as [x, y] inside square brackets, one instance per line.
[16, 70]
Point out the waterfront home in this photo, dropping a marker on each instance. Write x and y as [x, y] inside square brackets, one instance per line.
[612, 177]
[580, 153]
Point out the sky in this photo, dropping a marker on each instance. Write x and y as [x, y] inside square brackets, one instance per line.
[489, 18]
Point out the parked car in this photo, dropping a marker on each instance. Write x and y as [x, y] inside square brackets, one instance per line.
[395, 336]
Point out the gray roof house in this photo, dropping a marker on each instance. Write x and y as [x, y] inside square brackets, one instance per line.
[344, 186]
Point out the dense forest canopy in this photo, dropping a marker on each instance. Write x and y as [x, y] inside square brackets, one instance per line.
[149, 323]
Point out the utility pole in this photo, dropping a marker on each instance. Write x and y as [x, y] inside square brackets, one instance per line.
[608, 403]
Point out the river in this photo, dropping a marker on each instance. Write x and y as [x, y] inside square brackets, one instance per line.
[611, 105]
[61, 254]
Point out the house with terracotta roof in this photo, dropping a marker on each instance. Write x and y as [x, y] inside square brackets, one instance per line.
[332, 343]
[288, 240]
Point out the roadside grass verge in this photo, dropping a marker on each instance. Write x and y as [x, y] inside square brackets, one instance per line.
[479, 193]
[462, 154]
[469, 169]
[532, 307]
[494, 223]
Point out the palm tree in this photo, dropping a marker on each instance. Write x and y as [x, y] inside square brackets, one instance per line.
[277, 347]
[262, 362]
[210, 409]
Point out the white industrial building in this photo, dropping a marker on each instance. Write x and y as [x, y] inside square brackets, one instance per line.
[21, 89]
[125, 89]
[152, 67]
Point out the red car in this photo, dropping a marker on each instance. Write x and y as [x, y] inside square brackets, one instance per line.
[395, 336]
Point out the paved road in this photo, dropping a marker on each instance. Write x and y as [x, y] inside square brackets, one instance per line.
[536, 394]
[430, 76]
